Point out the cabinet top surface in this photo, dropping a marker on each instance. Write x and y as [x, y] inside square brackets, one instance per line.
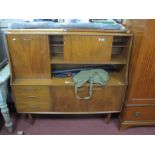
[68, 32]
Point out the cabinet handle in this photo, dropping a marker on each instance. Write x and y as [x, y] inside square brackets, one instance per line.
[101, 39]
[32, 97]
[31, 89]
[27, 39]
[13, 39]
[33, 106]
[136, 114]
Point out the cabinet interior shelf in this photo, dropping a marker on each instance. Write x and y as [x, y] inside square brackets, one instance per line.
[115, 78]
[116, 59]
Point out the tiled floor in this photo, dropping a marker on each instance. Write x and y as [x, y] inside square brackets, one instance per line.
[73, 125]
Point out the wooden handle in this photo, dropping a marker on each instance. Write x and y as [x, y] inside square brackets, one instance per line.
[136, 114]
[27, 39]
[31, 89]
[32, 97]
[101, 39]
[33, 106]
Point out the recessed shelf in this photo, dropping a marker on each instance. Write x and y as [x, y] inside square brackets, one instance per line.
[116, 59]
[115, 78]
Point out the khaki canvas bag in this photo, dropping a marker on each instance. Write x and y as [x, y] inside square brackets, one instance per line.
[93, 76]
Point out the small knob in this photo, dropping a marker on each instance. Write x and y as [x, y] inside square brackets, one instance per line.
[101, 39]
[136, 114]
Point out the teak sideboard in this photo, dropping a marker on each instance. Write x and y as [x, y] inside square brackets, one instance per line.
[34, 55]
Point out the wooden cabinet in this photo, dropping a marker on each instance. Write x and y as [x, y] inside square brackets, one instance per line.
[141, 91]
[32, 98]
[143, 83]
[87, 48]
[36, 56]
[29, 56]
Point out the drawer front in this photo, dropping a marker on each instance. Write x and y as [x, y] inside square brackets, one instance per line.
[32, 98]
[140, 101]
[87, 48]
[104, 99]
[30, 93]
[139, 113]
[33, 107]
[31, 90]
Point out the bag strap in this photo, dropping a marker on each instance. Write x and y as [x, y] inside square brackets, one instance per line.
[90, 91]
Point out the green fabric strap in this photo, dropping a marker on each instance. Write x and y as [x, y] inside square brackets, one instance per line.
[92, 76]
[90, 92]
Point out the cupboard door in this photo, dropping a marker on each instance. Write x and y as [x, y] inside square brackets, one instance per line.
[29, 56]
[87, 48]
[104, 99]
[142, 89]
[64, 100]
[107, 99]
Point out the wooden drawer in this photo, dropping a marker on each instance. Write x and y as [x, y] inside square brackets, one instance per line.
[33, 107]
[31, 90]
[108, 98]
[32, 98]
[139, 113]
[87, 48]
[31, 93]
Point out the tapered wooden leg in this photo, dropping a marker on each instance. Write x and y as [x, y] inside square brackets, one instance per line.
[31, 120]
[108, 118]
